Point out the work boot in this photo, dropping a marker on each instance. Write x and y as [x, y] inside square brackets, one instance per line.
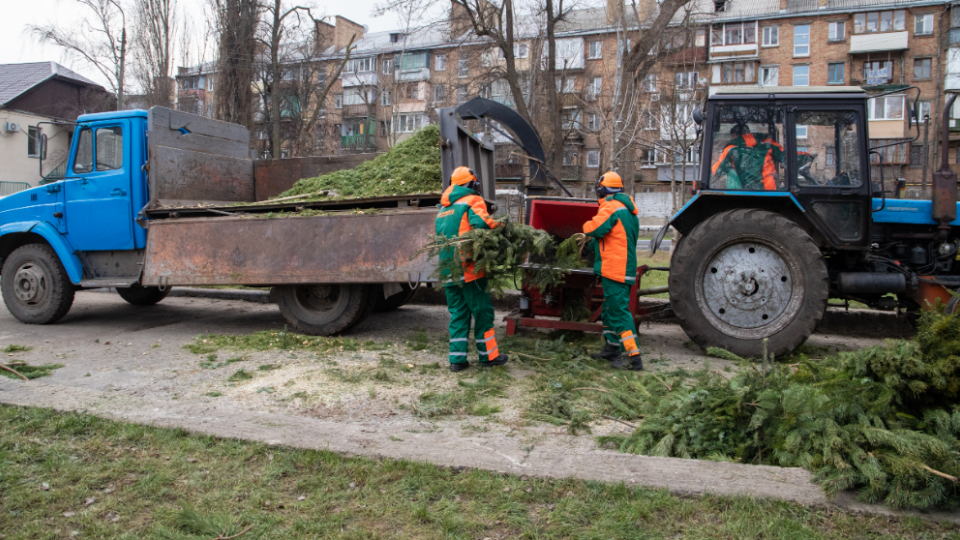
[498, 361]
[459, 366]
[632, 363]
[609, 352]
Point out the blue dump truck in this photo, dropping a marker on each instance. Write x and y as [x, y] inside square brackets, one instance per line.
[149, 201]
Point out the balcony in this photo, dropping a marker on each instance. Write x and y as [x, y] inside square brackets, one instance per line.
[198, 93]
[734, 52]
[364, 78]
[357, 142]
[409, 75]
[686, 57]
[889, 41]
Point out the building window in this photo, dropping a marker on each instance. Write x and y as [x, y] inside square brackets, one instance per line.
[593, 122]
[593, 159]
[463, 68]
[520, 50]
[923, 25]
[896, 154]
[571, 118]
[569, 156]
[33, 141]
[735, 72]
[648, 157]
[830, 155]
[439, 93]
[880, 21]
[410, 91]
[769, 76]
[650, 83]
[338, 101]
[687, 80]
[801, 132]
[440, 62]
[886, 108]
[566, 84]
[923, 110]
[734, 34]
[837, 31]
[801, 75]
[596, 50]
[461, 94]
[916, 156]
[878, 72]
[386, 67]
[801, 40]
[921, 68]
[407, 123]
[360, 65]
[596, 84]
[771, 36]
[835, 73]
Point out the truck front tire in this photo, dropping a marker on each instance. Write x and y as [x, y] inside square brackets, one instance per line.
[746, 275]
[323, 310]
[143, 296]
[36, 287]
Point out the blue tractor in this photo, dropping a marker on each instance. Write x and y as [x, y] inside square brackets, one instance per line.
[786, 216]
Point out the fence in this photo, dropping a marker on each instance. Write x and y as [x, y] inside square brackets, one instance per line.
[9, 188]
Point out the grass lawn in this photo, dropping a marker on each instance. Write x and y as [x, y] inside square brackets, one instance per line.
[65, 475]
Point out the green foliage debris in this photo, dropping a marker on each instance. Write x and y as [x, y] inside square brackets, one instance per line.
[16, 348]
[412, 166]
[28, 371]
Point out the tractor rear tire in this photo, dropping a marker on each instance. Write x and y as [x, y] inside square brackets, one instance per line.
[397, 300]
[323, 310]
[746, 275]
[36, 287]
[143, 296]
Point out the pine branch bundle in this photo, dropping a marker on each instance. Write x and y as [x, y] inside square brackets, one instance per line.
[884, 420]
[501, 251]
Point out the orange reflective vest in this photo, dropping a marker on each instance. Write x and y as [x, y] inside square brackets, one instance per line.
[752, 163]
[616, 227]
[461, 210]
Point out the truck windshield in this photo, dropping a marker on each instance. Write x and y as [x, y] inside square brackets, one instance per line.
[828, 148]
[747, 151]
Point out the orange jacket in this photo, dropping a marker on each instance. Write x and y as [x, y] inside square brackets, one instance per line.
[616, 227]
[461, 209]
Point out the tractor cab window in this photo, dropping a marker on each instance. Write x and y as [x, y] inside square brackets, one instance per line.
[83, 163]
[828, 148]
[747, 151]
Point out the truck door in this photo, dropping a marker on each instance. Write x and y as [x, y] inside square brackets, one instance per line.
[828, 168]
[97, 190]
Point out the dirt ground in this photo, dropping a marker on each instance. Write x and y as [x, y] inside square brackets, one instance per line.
[130, 363]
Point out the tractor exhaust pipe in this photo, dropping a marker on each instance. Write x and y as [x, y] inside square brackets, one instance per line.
[871, 283]
[944, 185]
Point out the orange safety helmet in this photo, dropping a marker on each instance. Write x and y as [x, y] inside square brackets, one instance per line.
[464, 176]
[608, 183]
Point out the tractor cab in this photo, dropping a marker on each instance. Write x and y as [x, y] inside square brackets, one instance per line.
[791, 150]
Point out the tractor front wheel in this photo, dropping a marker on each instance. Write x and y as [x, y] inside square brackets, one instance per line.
[746, 275]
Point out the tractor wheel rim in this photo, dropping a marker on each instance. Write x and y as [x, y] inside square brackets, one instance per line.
[30, 284]
[750, 288]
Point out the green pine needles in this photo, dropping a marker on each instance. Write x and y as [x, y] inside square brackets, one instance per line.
[502, 251]
[884, 421]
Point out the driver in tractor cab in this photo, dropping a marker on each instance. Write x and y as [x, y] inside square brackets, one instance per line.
[749, 162]
[462, 209]
[616, 228]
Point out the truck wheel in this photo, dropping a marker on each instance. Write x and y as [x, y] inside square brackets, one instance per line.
[36, 288]
[323, 310]
[143, 296]
[396, 300]
[745, 275]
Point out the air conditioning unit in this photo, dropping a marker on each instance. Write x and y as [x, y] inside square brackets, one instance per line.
[655, 97]
[590, 97]
[12, 127]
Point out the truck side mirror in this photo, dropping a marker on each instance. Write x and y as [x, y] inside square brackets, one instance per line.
[698, 116]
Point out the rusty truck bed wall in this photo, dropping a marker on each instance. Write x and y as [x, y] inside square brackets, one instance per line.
[193, 159]
[333, 248]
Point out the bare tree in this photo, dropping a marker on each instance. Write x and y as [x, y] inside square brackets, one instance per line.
[155, 31]
[236, 32]
[100, 40]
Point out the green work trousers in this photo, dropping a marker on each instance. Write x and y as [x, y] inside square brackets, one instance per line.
[465, 302]
[618, 326]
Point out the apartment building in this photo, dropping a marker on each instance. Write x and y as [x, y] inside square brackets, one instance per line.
[394, 80]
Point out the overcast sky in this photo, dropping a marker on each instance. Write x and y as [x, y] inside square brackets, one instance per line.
[17, 45]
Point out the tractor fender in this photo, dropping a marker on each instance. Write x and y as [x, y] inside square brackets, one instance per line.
[66, 253]
[707, 203]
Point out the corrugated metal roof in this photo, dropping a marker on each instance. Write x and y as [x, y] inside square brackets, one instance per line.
[15, 79]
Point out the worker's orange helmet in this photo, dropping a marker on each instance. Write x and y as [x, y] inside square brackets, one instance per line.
[464, 176]
[608, 184]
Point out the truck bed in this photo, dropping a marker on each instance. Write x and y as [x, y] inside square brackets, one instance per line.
[420, 200]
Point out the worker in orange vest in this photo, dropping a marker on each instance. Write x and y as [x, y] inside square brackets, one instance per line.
[749, 162]
[616, 227]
